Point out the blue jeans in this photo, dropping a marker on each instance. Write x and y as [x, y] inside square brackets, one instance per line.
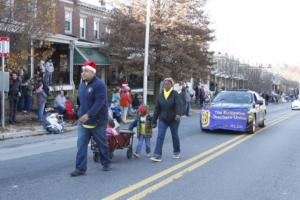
[48, 78]
[162, 129]
[84, 136]
[142, 138]
[41, 111]
[188, 109]
[61, 110]
[28, 103]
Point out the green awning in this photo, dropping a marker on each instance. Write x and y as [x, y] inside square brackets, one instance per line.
[89, 54]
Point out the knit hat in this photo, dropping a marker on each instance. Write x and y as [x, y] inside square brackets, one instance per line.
[143, 110]
[90, 65]
[125, 84]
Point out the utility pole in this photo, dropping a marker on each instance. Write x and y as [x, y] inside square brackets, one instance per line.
[145, 89]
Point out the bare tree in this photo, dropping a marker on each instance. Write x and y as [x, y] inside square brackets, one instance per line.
[179, 39]
[23, 20]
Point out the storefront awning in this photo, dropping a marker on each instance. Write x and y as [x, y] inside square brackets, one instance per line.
[89, 54]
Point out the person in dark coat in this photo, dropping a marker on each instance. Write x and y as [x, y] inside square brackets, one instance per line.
[93, 118]
[196, 89]
[183, 101]
[202, 96]
[136, 102]
[168, 110]
[13, 95]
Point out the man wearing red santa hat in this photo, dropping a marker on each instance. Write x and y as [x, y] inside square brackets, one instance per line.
[93, 118]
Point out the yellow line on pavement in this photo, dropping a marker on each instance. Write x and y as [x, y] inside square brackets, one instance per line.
[161, 174]
[169, 170]
[198, 164]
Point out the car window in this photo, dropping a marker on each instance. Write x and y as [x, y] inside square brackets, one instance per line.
[255, 98]
[233, 97]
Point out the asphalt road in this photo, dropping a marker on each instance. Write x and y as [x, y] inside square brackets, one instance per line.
[214, 166]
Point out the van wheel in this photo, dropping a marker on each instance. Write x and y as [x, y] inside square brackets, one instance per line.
[253, 126]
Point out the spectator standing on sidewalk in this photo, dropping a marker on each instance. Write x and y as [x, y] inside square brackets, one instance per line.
[167, 110]
[42, 68]
[188, 98]
[13, 97]
[41, 100]
[23, 86]
[202, 96]
[183, 101]
[136, 102]
[49, 71]
[93, 118]
[196, 89]
[116, 95]
[27, 93]
[124, 103]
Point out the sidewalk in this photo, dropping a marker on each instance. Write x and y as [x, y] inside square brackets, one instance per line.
[28, 126]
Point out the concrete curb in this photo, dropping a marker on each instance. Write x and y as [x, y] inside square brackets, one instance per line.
[14, 135]
[40, 131]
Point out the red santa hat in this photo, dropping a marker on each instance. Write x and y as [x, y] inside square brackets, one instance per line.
[143, 110]
[125, 84]
[90, 65]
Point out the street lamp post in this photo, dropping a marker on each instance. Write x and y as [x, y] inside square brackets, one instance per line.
[145, 89]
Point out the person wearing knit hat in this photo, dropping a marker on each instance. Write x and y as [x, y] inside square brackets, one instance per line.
[93, 118]
[144, 131]
[89, 69]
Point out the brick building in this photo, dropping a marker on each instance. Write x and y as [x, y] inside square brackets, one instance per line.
[78, 37]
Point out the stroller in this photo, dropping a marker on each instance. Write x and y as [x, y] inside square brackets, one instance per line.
[124, 140]
[53, 123]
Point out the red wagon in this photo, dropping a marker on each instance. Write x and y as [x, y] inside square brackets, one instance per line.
[124, 140]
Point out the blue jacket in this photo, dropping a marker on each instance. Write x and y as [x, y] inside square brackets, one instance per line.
[92, 100]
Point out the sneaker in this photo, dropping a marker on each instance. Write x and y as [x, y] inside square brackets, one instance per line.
[176, 155]
[155, 159]
[136, 155]
[77, 173]
[148, 155]
[107, 168]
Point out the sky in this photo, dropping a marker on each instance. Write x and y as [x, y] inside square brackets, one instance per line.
[257, 31]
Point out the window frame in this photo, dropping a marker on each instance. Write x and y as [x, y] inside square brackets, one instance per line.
[97, 28]
[69, 11]
[84, 18]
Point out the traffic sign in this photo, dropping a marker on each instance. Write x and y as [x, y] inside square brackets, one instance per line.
[4, 46]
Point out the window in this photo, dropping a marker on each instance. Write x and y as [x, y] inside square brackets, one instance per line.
[10, 8]
[96, 29]
[35, 11]
[102, 2]
[82, 27]
[107, 29]
[68, 21]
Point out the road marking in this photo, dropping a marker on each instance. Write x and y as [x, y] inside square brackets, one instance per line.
[169, 170]
[159, 175]
[198, 164]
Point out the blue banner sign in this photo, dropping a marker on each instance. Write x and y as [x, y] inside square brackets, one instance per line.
[223, 118]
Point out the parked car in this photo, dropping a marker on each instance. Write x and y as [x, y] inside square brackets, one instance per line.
[296, 104]
[236, 110]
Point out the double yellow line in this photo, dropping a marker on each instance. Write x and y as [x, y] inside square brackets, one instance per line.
[198, 159]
